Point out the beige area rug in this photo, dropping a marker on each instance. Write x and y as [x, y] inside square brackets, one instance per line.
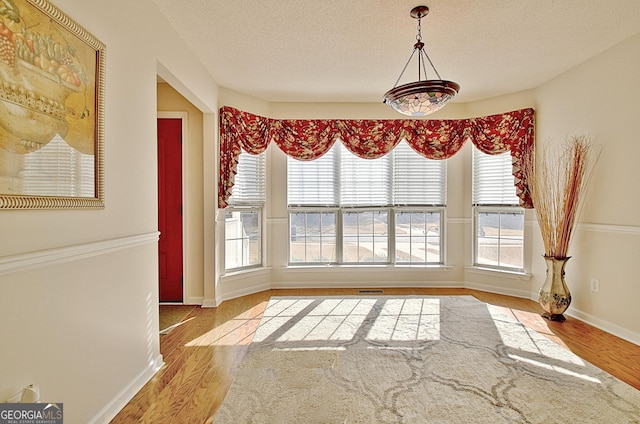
[427, 359]
[172, 315]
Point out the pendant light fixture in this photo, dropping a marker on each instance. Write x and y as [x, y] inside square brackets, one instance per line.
[422, 97]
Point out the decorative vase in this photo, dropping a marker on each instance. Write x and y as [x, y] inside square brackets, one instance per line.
[554, 295]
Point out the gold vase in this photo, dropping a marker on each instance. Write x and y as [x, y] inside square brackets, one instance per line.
[554, 295]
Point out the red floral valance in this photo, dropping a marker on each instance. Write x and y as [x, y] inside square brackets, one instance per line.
[433, 139]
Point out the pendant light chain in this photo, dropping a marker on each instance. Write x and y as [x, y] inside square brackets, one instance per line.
[419, 45]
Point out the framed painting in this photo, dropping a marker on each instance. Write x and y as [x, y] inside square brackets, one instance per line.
[51, 109]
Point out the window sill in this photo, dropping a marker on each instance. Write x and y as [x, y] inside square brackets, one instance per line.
[514, 275]
[367, 267]
[244, 273]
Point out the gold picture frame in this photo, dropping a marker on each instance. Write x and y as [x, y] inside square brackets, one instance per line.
[51, 109]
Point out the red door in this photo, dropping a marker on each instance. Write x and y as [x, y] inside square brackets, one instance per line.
[170, 209]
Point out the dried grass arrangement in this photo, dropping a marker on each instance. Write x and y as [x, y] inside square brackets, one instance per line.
[558, 181]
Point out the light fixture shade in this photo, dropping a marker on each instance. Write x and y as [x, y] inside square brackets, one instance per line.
[421, 98]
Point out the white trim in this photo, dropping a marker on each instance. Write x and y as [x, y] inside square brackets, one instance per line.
[603, 325]
[244, 273]
[608, 228]
[513, 275]
[112, 408]
[234, 294]
[240, 283]
[59, 255]
[274, 221]
[387, 284]
[457, 220]
[183, 116]
[525, 294]
[194, 300]
[213, 303]
[358, 269]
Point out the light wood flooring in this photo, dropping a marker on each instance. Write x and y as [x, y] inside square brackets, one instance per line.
[201, 353]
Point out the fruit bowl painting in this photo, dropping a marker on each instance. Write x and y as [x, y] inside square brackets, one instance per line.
[51, 105]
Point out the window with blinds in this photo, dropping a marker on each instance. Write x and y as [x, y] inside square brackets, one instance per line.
[339, 178]
[498, 220]
[416, 179]
[243, 216]
[249, 188]
[493, 182]
[313, 183]
[345, 209]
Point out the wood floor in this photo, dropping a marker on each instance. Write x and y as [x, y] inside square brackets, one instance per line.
[201, 353]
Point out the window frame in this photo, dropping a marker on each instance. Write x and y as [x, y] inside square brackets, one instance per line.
[319, 210]
[405, 179]
[391, 235]
[240, 209]
[442, 239]
[478, 209]
[252, 198]
[500, 203]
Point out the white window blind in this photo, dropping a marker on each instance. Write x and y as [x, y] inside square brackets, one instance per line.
[249, 188]
[417, 180]
[313, 183]
[364, 182]
[339, 178]
[493, 182]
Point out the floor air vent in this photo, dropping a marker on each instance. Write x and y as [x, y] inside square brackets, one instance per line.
[370, 291]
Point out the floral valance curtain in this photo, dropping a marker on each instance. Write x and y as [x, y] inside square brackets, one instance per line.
[433, 139]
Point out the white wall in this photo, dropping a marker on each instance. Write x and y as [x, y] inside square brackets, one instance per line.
[601, 99]
[78, 288]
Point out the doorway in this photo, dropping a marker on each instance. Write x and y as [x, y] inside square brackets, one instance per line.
[170, 209]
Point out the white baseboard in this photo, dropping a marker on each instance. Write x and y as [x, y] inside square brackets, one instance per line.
[194, 300]
[498, 290]
[244, 291]
[364, 285]
[111, 409]
[603, 325]
[210, 303]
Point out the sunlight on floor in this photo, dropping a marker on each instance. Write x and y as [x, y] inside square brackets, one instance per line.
[336, 320]
[340, 320]
[545, 351]
[528, 340]
[555, 368]
[237, 331]
[407, 320]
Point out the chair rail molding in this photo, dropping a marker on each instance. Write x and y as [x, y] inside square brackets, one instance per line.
[58, 255]
[610, 228]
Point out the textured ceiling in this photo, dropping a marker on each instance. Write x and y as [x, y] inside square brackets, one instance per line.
[354, 50]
